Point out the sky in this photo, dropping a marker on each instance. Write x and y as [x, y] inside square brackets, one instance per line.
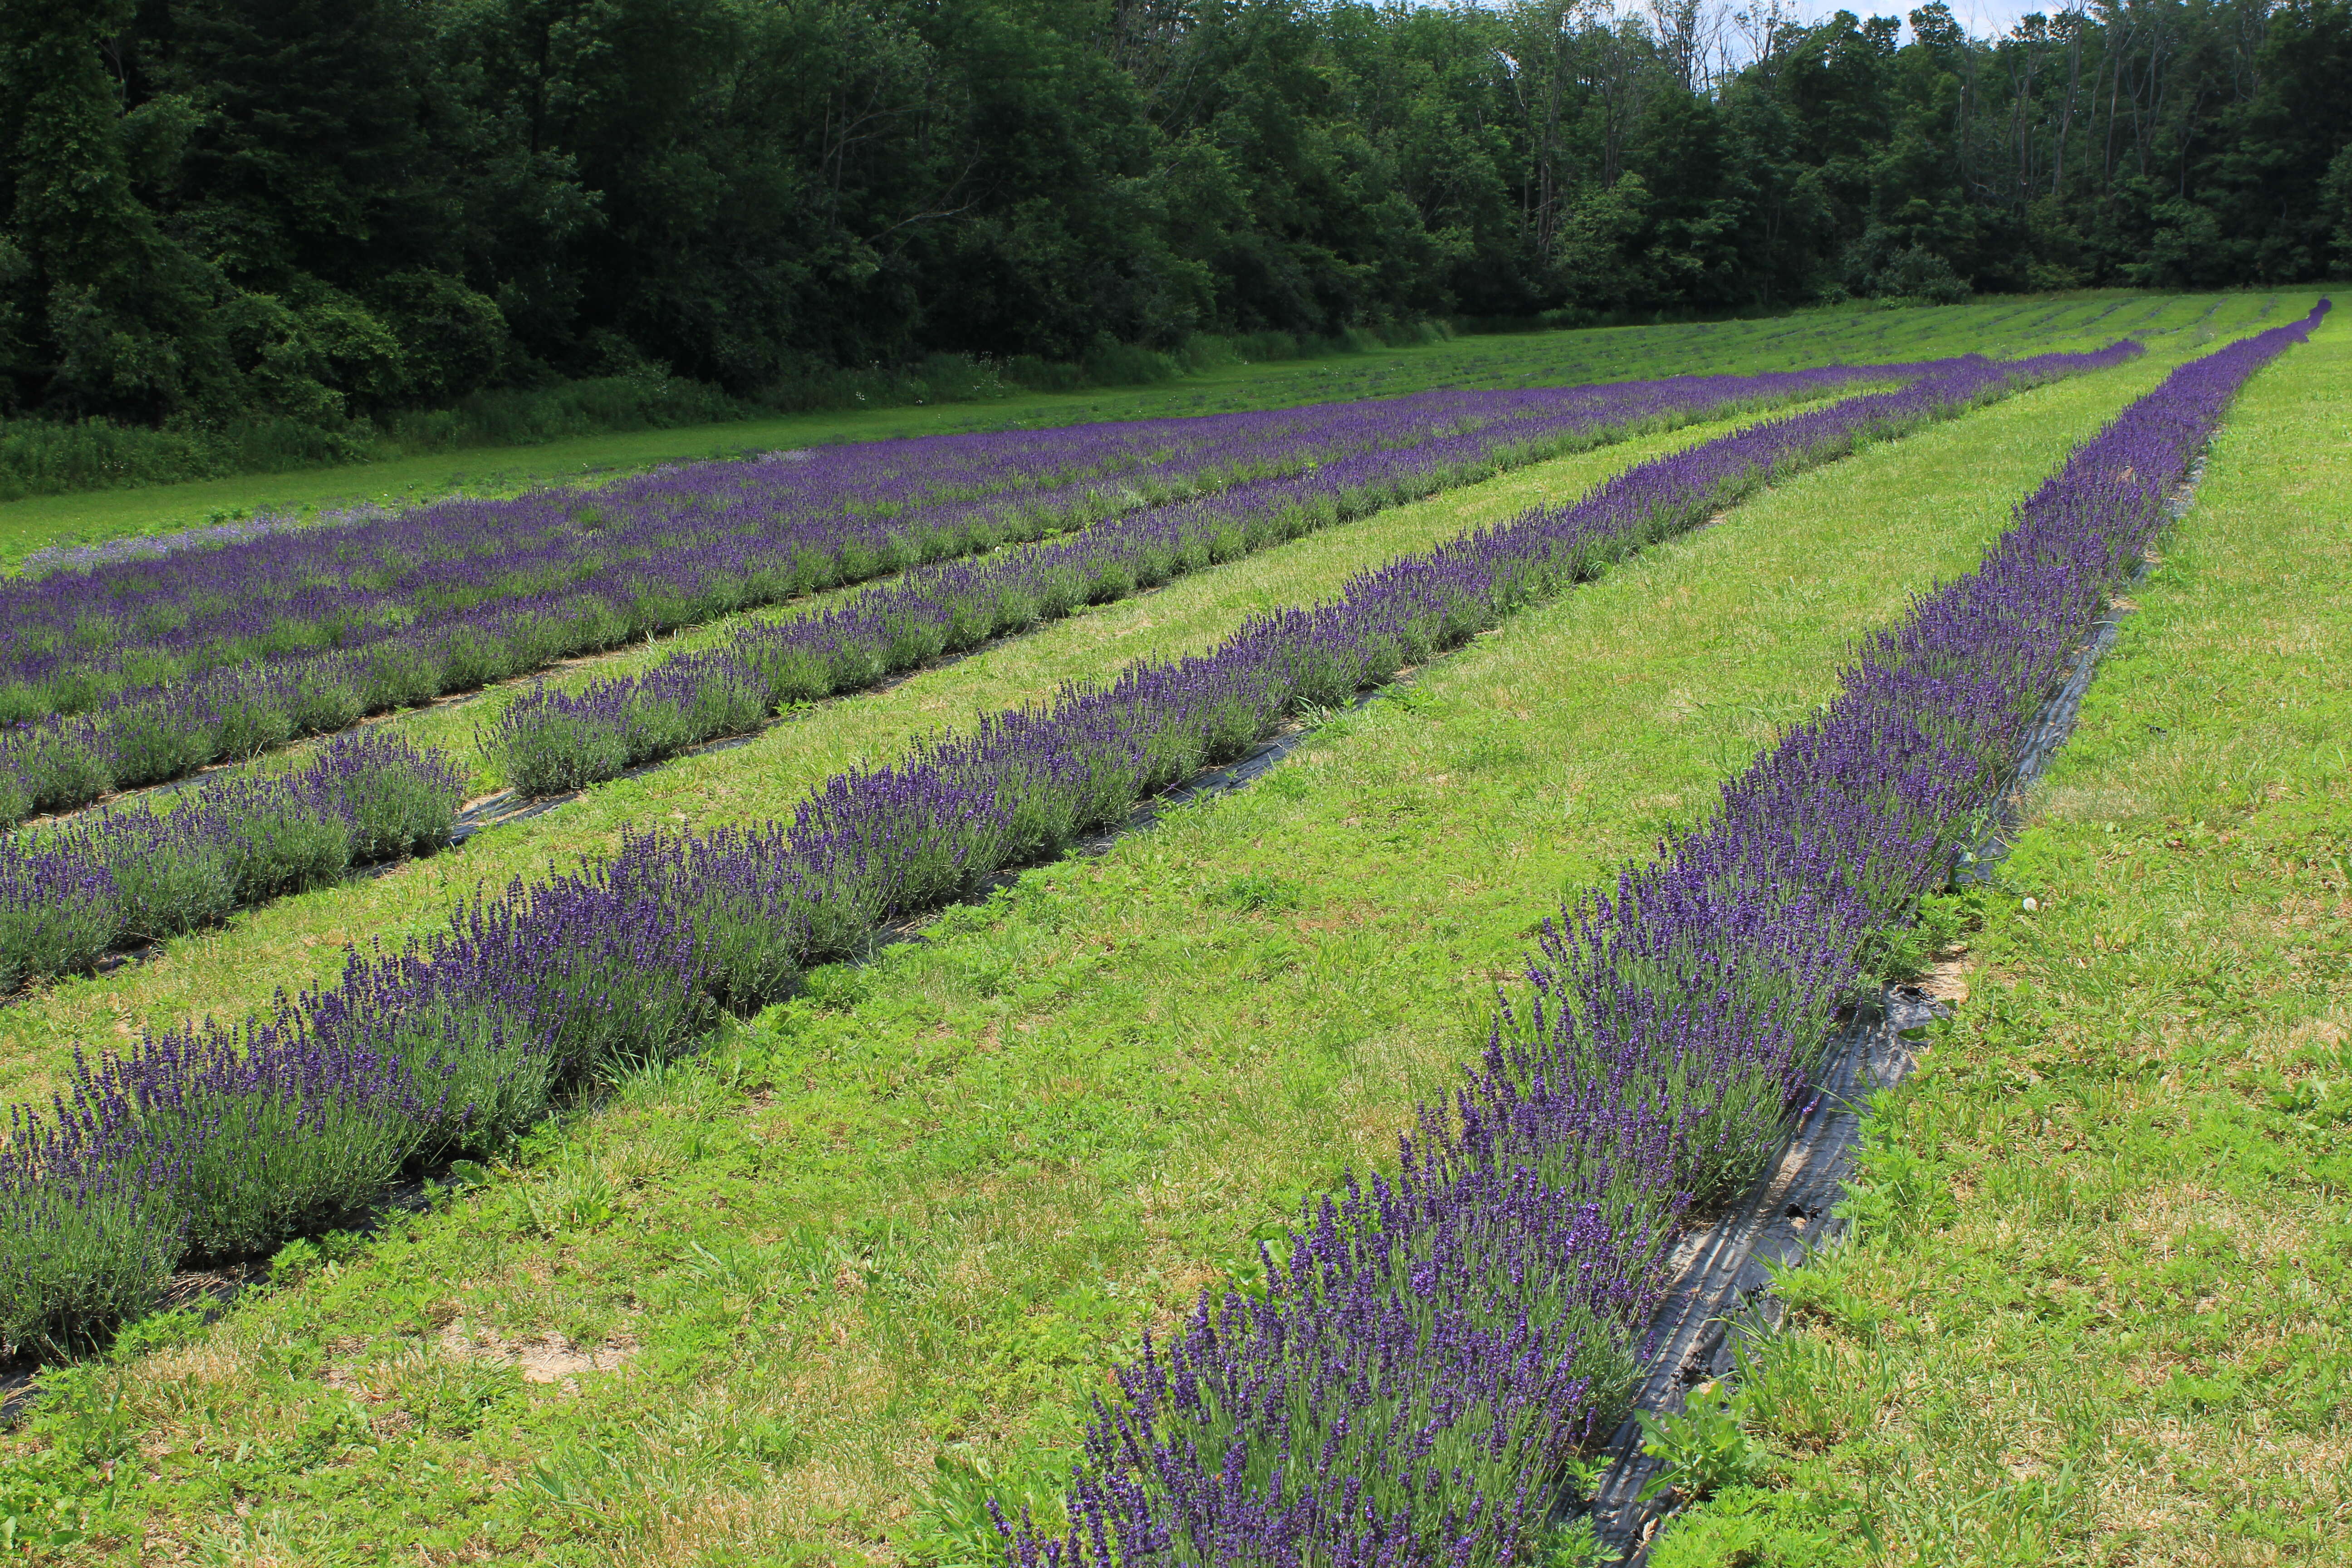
[1982, 18]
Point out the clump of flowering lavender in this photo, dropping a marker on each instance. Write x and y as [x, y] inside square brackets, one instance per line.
[86, 1238]
[137, 873]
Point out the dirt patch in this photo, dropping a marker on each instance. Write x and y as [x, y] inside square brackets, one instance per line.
[548, 1358]
[1946, 980]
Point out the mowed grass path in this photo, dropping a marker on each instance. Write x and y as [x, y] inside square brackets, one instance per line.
[2100, 1310]
[795, 1294]
[297, 943]
[1998, 326]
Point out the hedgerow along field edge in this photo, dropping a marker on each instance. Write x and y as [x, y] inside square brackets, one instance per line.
[2005, 326]
[2094, 1303]
[1988, 443]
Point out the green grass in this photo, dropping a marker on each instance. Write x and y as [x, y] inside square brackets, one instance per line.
[1996, 327]
[891, 1235]
[2098, 1311]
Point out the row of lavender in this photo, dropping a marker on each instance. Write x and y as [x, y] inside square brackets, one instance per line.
[1415, 1372]
[352, 576]
[137, 874]
[712, 542]
[817, 517]
[549, 740]
[213, 1139]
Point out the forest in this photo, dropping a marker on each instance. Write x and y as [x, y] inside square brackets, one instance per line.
[322, 213]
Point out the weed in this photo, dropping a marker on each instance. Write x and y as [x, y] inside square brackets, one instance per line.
[1704, 1448]
[1253, 891]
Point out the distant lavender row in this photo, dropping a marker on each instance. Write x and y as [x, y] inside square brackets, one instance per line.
[141, 621]
[155, 546]
[452, 596]
[1409, 1385]
[137, 873]
[214, 1141]
[549, 740]
[882, 504]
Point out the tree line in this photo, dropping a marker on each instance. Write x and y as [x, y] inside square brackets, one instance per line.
[330, 210]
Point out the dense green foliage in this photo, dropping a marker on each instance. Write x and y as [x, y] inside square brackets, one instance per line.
[280, 217]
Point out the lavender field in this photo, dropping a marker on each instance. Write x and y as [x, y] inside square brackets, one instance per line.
[126, 672]
[1290, 1184]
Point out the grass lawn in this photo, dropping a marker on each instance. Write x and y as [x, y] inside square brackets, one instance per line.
[792, 1300]
[2006, 325]
[2098, 1310]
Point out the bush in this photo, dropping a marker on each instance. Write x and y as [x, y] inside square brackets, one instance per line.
[75, 1262]
[173, 888]
[452, 344]
[50, 931]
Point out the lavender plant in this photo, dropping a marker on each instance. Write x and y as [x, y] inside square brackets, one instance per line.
[137, 873]
[450, 1041]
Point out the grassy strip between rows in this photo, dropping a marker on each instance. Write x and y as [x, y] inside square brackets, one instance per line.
[2098, 1310]
[882, 1242]
[2005, 328]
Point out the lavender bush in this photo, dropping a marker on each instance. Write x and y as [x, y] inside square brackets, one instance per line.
[137, 873]
[237, 1137]
[1677, 1017]
[138, 671]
